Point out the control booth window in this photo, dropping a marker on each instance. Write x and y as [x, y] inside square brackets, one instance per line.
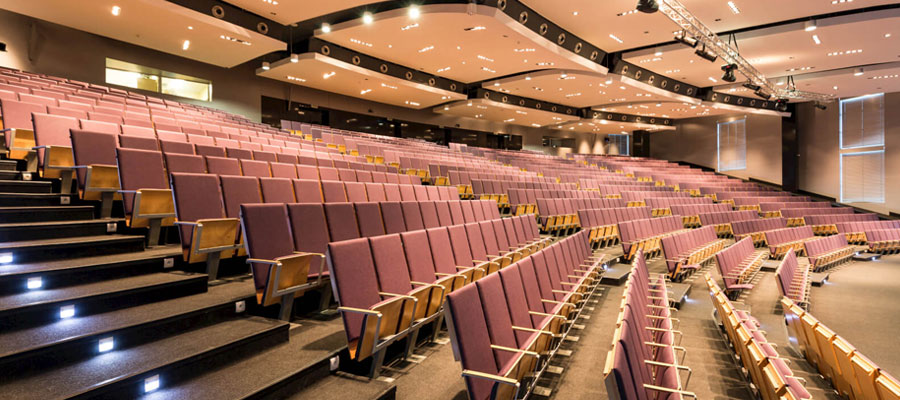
[732, 145]
[862, 149]
[619, 145]
[130, 75]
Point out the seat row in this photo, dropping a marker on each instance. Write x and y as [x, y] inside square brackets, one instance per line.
[739, 264]
[828, 251]
[856, 230]
[773, 209]
[883, 241]
[662, 206]
[795, 216]
[637, 198]
[752, 201]
[644, 361]
[645, 235]
[850, 372]
[722, 220]
[756, 228]
[524, 201]
[771, 375]
[686, 252]
[783, 241]
[603, 223]
[827, 224]
[793, 280]
[690, 213]
[506, 327]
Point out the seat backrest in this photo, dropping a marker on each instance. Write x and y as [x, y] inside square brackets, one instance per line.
[277, 190]
[17, 114]
[375, 192]
[268, 236]
[429, 214]
[239, 190]
[356, 191]
[412, 215]
[341, 218]
[368, 217]
[92, 148]
[258, 169]
[390, 264]
[418, 256]
[392, 213]
[222, 166]
[353, 278]
[308, 227]
[333, 192]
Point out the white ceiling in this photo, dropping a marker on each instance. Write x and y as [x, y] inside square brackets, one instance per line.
[605, 127]
[447, 41]
[506, 113]
[596, 20]
[788, 49]
[325, 73]
[287, 12]
[159, 25]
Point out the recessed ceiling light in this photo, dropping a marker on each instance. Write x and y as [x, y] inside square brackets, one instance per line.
[887, 35]
[527, 78]
[294, 78]
[410, 26]
[858, 72]
[481, 57]
[835, 88]
[362, 92]
[265, 66]
[614, 37]
[116, 10]
[574, 12]
[809, 26]
[474, 28]
[190, 28]
[427, 48]
[414, 12]
[658, 53]
[367, 18]
[186, 45]
[734, 8]
[328, 75]
[360, 42]
[712, 79]
[295, 58]
[326, 28]
[443, 69]
[816, 39]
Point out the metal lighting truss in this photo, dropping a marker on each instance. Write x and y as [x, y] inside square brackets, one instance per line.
[691, 26]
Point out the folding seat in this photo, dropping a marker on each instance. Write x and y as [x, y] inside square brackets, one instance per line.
[372, 321]
[429, 214]
[328, 174]
[286, 158]
[368, 216]
[392, 192]
[379, 177]
[222, 166]
[307, 172]
[264, 156]
[412, 215]
[467, 212]
[375, 192]
[433, 193]
[307, 191]
[363, 176]
[392, 178]
[277, 190]
[94, 156]
[138, 142]
[236, 153]
[168, 146]
[53, 148]
[456, 212]
[341, 219]
[238, 190]
[407, 193]
[347, 175]
[392, 212]
[44, 101]
[394, 277]
[421, 265]
[206, 233]
[333, 192]
[480, 251]
[356, 192]
[207, 150]
[258, 169]
[281, 170]
[443, 213]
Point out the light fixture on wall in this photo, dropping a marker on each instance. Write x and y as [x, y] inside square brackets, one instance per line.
[751, 86]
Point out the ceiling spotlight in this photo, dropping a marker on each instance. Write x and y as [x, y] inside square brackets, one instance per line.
[858, 72]
[781, 105]
[759, 92]
[367, 18]
[647, 6]
[414, 12]
[265, 66]
[326, 28]
[809, 26]
[687, 41]
[751, 86]
[295, 58]
[706, 54]
[729, 72]
[116, 10]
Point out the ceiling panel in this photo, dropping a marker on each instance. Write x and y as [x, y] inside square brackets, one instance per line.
[595, 21]
[674, 110]
[447, 41]
[325, 73]
[788, 49]
[159, 25]
[288, 12]
[602, 126]
[504, 113]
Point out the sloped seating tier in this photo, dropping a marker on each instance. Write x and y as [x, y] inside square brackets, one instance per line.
[524, 200]
[851, 374]
[638, 198]
[856, 230]
[795, 216]
[645, 235]
[722, 220]
[507, 326]
[793, 280]
[883, 241]
[643, 362]
[827, 224]
[828, 251]
[739, 264]
[753, 201]
[770, 374]
[690, 213]
[499, 190]
[756, 228]
[769, 209]
[783, 241]
[686, 252]
[560, 216]
[602, 223]
[662, 206]
[462, 176]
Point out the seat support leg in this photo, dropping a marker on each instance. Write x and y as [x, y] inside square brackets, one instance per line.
[155, 225]
[212, 266]
[106, 202]
[287, 307]
[324, 298]
[377, 361]
[65, 178]
[411, 342]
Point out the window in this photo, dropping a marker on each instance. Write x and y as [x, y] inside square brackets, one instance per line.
[135, 76]
[732, 145]
[619, 144]
[862, 149]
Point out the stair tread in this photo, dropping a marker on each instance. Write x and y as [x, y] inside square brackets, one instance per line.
[311, 341]
[23, 340]
[43, 208]
[345, 387]
[32, 183]
[54, 223]
[73, 293]
[118, 365]
[69, 240]
[74, 263]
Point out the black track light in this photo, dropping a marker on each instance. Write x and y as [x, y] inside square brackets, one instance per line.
[647, 6]
[751, 86]
[759, 92]
[729, 72]
[781, 105]
[685, 40]
[706, 54]
[821, 106]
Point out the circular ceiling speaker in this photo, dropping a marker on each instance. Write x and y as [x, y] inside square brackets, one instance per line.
[218, 12]
[262, 28]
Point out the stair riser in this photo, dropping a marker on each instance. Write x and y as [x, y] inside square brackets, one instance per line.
[8, 217]
[10, 175]
[24, 201]
[52, 232]
[295, 382]
[78, 276]
[8, 165]
[49, 312]
[75, 250]
[183, 370]
[26, 187]
[86, 347]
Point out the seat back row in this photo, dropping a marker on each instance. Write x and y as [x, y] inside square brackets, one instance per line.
[556, 214]
[638, 198]
[602, 223]
[850, 372]
[756, 228]
[793, 280]
[722, 220]
[739, 264]
[662, 206]
[884, 241]
[828, 251]
[827, 224]
[795, 216]
[753, 201]
[856, 230]
[782, 241]
[773, 209]
[690, 213]
[685, 252]
[644, 235]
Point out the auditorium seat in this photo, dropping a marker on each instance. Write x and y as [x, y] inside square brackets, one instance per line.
[147, 198]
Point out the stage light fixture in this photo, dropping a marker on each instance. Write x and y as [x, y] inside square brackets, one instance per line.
[781, 105]
[751, 86]
[729, 72]
[687, 41]
[706, 54]
[759, 92]
[647, 6]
